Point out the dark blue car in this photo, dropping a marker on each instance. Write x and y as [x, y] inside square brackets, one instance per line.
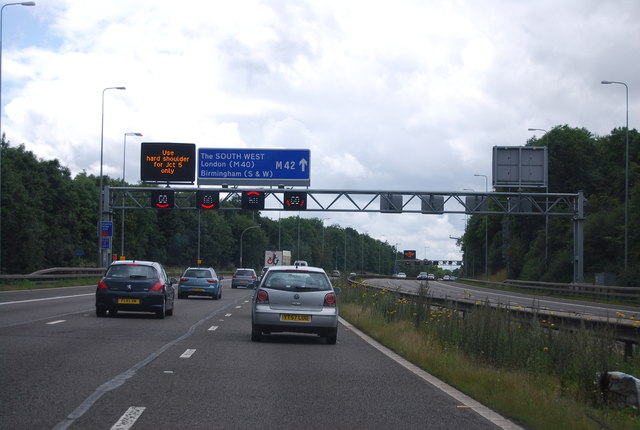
[135, 286]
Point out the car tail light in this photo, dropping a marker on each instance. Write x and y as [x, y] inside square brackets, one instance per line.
[212, 281]
[330, 300]
[157, 286]
[184, 279]
[233, 276]
[262, 297]
[102, 285]
[254, 277]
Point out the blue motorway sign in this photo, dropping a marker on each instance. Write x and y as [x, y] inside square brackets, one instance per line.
[106, 228]
[234, 166]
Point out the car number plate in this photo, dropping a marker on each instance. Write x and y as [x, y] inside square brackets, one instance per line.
[292, 317]
[129, 301]
[197, 289]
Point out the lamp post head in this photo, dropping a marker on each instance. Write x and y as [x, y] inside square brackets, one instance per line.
[606, 82]
[28, 3]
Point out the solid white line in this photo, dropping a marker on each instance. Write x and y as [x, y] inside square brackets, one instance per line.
[465, 400]
[56, 322]
[213, 328]
[128, 419]
[46, 298]
[188, 353]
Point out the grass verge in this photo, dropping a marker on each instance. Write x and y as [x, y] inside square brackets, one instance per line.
[30, 285]
[497, 362]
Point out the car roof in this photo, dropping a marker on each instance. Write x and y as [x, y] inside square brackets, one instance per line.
[119, 262]
[296, 268]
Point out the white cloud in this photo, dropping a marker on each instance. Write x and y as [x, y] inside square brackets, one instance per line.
[404, 95]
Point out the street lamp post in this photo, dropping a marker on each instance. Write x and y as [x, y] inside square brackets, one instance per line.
[26, 3]
[486, 231]
[362, 252]
[345, 250]
[626, 172]
[546, 216]
[124, 180]
[395, 257]
[322, 255]
[241, 235]
[101, 262]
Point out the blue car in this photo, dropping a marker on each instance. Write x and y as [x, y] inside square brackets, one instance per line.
[200, 281]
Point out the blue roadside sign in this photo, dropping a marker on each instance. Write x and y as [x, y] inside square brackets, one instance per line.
[233, 166]
[105, 242]
[106, 228]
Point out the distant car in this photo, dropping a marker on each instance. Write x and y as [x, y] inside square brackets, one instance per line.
[335, 273]
[431, 277]
[264, 270]
[402, 275]
[244, 278]
[298, 299]
[200, 281]
[135, 286]
[422, 276]
[445, 278]
[352, 275]
[300, 263]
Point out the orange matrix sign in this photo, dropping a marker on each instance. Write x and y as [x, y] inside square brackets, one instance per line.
[167, 162]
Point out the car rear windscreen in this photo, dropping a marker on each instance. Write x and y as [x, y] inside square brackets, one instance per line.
[280, 280]
[197, 273]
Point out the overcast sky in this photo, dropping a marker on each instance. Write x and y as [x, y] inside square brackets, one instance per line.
[387, 95]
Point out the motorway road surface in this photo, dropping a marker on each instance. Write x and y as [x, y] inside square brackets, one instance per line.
[458, 291]
[62, 367]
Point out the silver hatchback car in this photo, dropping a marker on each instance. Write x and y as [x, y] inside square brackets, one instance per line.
[297, 299]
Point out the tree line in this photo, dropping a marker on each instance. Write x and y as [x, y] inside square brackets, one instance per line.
[532, 248]
[49, 219]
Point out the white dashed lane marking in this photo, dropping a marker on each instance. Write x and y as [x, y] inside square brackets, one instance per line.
[56, 322]
[128, 419]
[188, 353]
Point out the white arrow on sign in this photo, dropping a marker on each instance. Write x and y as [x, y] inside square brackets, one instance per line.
[303, 163]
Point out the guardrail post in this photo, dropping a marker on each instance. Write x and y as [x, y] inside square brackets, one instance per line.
[578, 239]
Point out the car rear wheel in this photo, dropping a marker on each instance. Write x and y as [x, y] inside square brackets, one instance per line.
[162, 312]
[332, 338]
[101, 312]
[182, 296]
[256, 335]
